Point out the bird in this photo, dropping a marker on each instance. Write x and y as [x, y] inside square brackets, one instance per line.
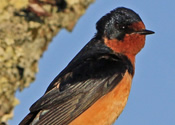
[93, 88]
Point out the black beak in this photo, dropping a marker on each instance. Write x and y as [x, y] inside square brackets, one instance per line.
[144, 32]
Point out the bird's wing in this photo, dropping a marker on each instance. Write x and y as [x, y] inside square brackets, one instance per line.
[77, 89]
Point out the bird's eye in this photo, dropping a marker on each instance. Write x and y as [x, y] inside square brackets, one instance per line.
[120, 27]
[123, 27]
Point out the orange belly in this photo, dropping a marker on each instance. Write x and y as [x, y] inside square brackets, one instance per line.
[107, 109]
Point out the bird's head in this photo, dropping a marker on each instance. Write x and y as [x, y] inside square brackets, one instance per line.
[123, 31]
[119, 22]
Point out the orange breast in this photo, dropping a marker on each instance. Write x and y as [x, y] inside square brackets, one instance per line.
[107, 109]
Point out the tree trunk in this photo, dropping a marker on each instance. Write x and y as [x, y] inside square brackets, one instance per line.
[26, 29]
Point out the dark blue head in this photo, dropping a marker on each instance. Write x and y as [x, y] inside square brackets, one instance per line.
[119, 22]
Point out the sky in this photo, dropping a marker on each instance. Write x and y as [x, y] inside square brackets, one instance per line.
[152, 96]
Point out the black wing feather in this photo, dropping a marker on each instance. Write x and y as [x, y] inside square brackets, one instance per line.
[86, 79]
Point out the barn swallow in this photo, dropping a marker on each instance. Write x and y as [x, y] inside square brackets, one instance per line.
[94, 87]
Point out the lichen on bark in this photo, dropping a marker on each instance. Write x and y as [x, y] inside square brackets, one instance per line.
[24, 36]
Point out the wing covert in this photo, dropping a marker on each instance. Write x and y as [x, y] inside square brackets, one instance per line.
[79, 88]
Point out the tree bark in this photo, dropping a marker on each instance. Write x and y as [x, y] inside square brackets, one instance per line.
[26, 29]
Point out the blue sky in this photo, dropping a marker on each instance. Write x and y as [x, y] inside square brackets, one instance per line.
[152, 96]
